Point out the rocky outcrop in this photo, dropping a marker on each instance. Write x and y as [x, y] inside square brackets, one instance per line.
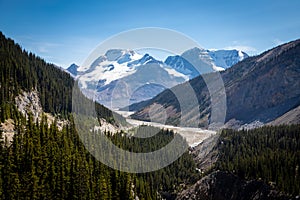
[8, 131]
[105, 126]
[29, 103]
[226, 186]
[204, 154]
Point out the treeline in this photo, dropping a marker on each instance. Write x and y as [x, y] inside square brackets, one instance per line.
[271, 154]
[23, 71]
[167, 180]
[45, 163]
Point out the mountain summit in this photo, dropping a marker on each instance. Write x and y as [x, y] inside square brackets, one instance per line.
[122, 77]
[196, 61]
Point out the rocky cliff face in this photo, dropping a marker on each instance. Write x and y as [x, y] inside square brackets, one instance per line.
[29, 102]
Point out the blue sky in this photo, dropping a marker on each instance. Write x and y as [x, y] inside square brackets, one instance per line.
[63, 32]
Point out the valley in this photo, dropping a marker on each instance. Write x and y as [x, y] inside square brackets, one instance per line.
[46, 154]
[193, 136]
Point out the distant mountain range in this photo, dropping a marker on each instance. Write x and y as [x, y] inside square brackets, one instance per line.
[259, 89]
[122, 77]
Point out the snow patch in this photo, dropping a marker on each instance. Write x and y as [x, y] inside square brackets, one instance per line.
[112, 66]
[216, 68]
[175, 73]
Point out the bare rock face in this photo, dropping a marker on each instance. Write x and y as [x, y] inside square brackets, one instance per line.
[204, 154]
[225, 186]
[105, 126]
[26, 102]
[8, 130]
[29, 102]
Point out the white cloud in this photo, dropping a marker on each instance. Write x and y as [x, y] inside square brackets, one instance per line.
[247, 49]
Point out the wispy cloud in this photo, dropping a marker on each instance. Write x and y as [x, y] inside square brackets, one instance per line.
[277, 42]
[247, 49]
[242, 46]
[31, 43]
[46, 47]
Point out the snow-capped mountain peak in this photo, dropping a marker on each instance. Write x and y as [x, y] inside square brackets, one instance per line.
[115, 64]
[195, 50]
[196, 61]
[122, 74]
[73, 69]
[121, 55]
[227, 58]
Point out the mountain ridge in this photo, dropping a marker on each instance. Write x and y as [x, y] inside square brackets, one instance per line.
[260, 88]
[112, 77]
